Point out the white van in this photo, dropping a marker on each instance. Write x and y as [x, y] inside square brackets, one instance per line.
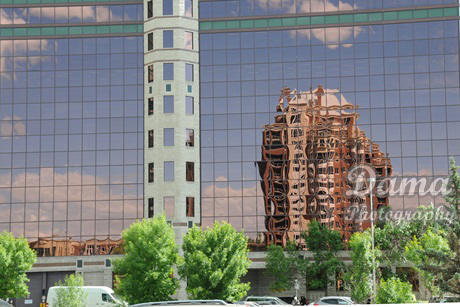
[97, 296]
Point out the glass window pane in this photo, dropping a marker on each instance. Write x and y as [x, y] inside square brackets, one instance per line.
[188, 72]
[168, 104]
[169, 206]
[188, 40]
[168, 71]
[188, 8]
[167, 7]
[169, 171]
[168, 137]
[189, 105]
[168, 39]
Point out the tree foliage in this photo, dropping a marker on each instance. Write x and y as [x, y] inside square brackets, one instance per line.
[415, 253]
[146, 273]
[325, 245]
[394, 291]
[214, 262]
[358, 276]
[70, 293]
[16, 258]
[448, 269]
[281, 266]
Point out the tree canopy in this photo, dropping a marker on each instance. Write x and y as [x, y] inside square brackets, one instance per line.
[16, 258]
[70, 293]
[146, 273]
[394, 291]
[214, 262]
[359, 275]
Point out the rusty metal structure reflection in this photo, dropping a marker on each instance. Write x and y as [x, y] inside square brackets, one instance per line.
[306, 156]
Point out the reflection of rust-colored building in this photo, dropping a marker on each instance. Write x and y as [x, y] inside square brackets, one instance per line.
[306, 155]
[45, 248]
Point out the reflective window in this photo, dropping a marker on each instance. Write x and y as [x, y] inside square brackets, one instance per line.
[189, 138]
[168, 171]
[168, 137]
[151, 172]
[169, 206]
[150, 41]
[189, 105]
[167, 7]
[190, 206]
[168, 39]
[188, 40]
[151, 139]
[151, 208]
[188, 8]
[168, 71]
[149, 9]
[190, 171]
[150, 106]
[168, 104]
[150, 73]
[189, 72]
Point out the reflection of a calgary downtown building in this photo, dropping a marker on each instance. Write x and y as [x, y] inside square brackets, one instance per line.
[306, 156]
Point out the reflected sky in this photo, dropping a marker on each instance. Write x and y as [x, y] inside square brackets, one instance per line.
[403, 77]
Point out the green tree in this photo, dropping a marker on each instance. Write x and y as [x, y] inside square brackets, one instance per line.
[16, 258]
[358, 276]
[146, 273]
[70, 293]
[214, 262]
[325, 245]
[394, 291]
[415, 253]
[448, 264]
[282, 266]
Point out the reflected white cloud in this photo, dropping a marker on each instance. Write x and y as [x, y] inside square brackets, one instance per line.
[12, 127]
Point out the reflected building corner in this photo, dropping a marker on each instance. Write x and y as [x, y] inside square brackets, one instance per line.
[306, 156]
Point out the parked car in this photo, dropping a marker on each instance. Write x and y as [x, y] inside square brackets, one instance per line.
[208, 303]
[266, 300]
[4, 304]
[450, 299]
[97, 296]
[333, 300]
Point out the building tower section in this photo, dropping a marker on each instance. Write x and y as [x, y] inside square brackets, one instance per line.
[171, 112]
[306, 158]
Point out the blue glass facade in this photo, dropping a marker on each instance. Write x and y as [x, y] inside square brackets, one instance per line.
[71, 118]
[403, 76]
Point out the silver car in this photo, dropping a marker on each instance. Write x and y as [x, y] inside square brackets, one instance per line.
[333, 300]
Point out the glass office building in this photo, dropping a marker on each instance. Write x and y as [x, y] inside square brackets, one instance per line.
[111, 111]
[396, 62]
[71, 118]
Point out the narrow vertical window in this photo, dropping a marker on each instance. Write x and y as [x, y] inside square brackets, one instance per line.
[188, 40]
[151, 106]
[168, 137]
[149, 9]
[169, 206]
[168, 39]
[188, 72]
[189, 138]
[167, 7]
[189, 105]
[150, 73]
[188, 8]
[151, 206]
[190, 206]
[168, 171]
[151, 138]
[151, 172]
[150, 41]
[190, 171]
[168, 71]
[168, 104]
